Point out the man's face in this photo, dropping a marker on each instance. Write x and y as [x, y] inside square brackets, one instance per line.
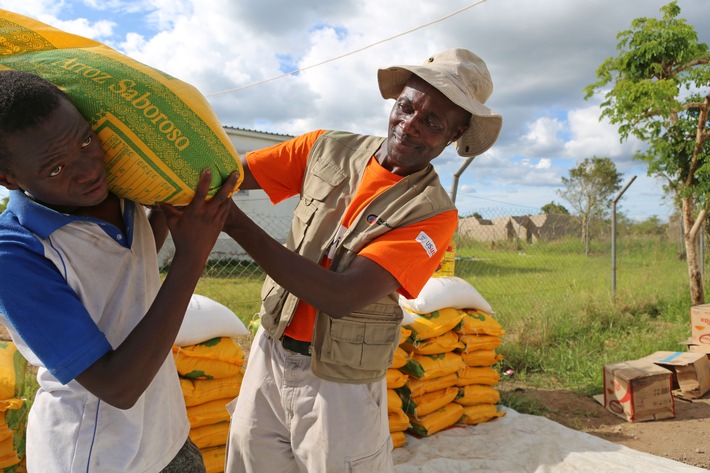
[60, 163]
[422, 123]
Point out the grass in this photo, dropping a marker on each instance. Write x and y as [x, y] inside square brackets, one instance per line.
[562, 319]
[564, 322]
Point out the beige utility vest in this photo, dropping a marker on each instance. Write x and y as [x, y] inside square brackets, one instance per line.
[359, 347]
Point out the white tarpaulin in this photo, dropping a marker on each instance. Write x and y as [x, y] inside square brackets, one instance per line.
[525, 443]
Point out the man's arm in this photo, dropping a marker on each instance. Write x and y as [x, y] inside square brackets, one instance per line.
[122, 375]
[159, 225]
[249, 181]
[336, 294]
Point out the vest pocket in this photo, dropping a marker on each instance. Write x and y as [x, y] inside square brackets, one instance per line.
[365, 346]
[303, 217]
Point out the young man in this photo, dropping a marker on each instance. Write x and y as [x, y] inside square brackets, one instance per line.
[80, 292]
[372, 221]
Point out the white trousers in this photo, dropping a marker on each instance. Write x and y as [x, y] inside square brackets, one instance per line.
[287, 420]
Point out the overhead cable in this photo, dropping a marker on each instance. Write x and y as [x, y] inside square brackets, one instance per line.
[253, 84]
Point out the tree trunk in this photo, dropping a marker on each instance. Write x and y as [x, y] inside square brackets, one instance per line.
[690, 235]
[585, 234]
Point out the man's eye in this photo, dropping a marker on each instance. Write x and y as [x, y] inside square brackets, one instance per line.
[404, 107]
[87, 141]
[56, 170]
[434, 125]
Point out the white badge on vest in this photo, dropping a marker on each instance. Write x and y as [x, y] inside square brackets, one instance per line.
[427, 243]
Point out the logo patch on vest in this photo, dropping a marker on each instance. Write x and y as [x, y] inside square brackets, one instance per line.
[374, 219]
[427, 243]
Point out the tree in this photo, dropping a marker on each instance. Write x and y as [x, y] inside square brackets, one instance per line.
[553, 208]
[3, 204]
[660, 94]
[589, 189]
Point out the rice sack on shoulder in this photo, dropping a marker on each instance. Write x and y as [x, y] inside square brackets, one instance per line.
[158, 132]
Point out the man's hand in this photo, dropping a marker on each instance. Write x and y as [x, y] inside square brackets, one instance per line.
[195, 227]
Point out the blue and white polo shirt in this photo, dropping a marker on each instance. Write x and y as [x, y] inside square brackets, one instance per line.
[71, 289]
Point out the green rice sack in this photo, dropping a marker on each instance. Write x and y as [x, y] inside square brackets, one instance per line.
[158, 132]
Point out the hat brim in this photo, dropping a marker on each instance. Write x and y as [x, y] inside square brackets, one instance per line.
[485, 124]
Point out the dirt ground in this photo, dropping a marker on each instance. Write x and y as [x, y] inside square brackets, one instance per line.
[684, 438]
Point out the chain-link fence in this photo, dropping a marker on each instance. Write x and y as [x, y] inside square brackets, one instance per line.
[518, 261]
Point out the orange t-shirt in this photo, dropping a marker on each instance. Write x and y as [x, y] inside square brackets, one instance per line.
[401, 251]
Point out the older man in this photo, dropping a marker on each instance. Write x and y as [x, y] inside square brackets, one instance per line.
[372, 222]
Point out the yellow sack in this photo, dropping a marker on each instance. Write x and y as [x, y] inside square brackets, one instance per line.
[404, 333]
[480, 413]
[13, 417]
[213, 458]
[433, 366]
[400, 358]
[481, 358]
[394, 402]
[200, 391]
[398, 420]
[447, 266]
[210, 412]
[474, 394]
[212, 435]
[12, 370]
[395, 378]
[437, 420]
[216, 358]
[158, 132]
[5, 431]
[11, 459]
[433, 324]
[477, 375]
[398, 439]
[7, 449]
[477, 322]
[448, 341]
[479, 342]
[427, 403]
[418, 387]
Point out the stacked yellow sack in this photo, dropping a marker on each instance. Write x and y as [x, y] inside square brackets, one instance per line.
[448, 263]
[480, 336]
[398, 420]
[13, 408]
[211, 375]
[429, 394]
[452, 351]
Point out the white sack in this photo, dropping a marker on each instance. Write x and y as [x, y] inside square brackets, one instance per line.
[206, 319]
[446, 292]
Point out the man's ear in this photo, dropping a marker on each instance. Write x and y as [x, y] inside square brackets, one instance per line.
[458, 134]
[8, 181]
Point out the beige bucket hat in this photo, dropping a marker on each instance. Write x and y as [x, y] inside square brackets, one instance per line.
[464, 78]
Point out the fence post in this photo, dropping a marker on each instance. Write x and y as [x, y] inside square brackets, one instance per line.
[457, 174]
[613, 237]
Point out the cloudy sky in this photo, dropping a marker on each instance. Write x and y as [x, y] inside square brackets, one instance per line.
[541, 55]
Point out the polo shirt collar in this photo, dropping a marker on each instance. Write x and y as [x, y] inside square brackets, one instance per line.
[37, 218]
[43, 221]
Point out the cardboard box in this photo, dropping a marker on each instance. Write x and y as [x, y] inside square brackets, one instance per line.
[700, 349]
[700, 324]
[639, 390]
[691, 371]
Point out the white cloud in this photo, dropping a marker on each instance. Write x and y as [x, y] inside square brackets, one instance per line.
[544, 137]
[591, 137]
[541, 55]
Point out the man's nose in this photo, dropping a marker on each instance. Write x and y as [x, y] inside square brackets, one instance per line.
[90, 168]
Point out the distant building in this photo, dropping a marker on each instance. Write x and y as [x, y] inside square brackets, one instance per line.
[529, 229]
[274, 219]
